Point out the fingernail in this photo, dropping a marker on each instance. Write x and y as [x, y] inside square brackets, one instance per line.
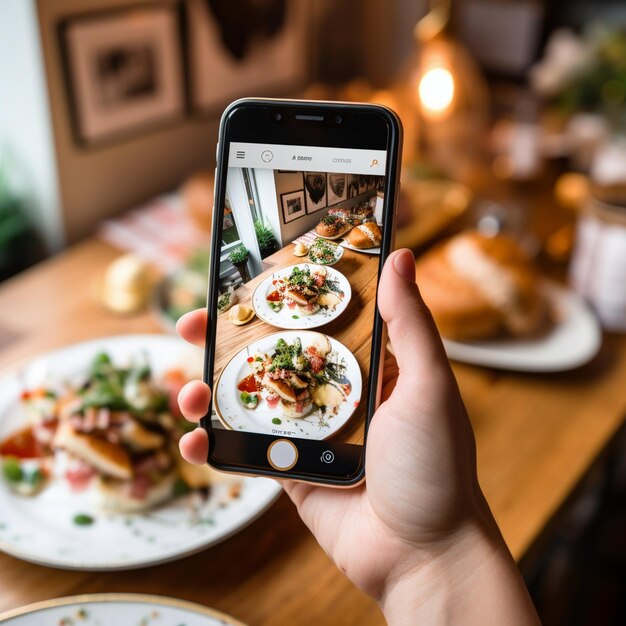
[404, 264]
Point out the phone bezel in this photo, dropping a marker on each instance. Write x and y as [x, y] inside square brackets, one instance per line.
[233, 443]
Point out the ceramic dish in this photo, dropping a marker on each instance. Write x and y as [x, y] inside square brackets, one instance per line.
[573, 340]
[271, 421]
[43, 529]
[115, 609]
[289, 318]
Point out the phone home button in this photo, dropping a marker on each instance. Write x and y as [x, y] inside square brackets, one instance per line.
[282, 454]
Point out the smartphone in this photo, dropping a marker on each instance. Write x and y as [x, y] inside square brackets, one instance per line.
[305, 196]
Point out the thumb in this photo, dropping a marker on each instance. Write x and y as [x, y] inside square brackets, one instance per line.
[412, 331]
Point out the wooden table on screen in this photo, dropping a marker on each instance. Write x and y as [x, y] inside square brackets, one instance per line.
[537, 435]
[353, 328]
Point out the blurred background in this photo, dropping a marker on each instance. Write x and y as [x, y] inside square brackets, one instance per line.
[515, 125]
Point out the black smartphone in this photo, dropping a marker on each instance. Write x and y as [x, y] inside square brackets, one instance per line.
[305, 197]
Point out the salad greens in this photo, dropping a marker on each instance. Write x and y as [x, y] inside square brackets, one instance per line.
[119, 388]
[324, 252]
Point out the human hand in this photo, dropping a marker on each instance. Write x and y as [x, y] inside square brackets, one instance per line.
[421, 509]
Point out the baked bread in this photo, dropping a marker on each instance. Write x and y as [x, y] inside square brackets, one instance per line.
[333, 227]
[364, 236]
[480, 287]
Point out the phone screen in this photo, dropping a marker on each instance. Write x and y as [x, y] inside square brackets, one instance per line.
[300, 253]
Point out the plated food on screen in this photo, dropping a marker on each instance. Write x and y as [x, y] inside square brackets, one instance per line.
[300, 249]
[302, 296]
[90, 471]
[357, 214]
[365, 236]
[240, 314]
[324, 252]
[480, 287]
[334, 227]
[298, 384]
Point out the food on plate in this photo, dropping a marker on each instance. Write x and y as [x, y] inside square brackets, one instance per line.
[324, 252]
[240, 314]
[357, 214]
[362, 212]
[226, 300]
[364, 236]
[116, 432]
[333, 227]
[127, 284]
[305, 290]
[296, 378]
[300, 249]
[479, 287]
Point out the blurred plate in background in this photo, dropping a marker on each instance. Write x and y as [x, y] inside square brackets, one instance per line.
[113, 609]
[573, 340]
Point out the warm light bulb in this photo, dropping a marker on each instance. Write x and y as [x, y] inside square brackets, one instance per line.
[436, 90]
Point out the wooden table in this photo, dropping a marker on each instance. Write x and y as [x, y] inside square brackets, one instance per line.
[537, 436]
[352, 328]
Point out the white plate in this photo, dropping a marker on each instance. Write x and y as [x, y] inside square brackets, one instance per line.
[313, 426]
[375, 250]
[335, 238]
[115, 609]
[573, 340]
[289, 318]
[41, 529]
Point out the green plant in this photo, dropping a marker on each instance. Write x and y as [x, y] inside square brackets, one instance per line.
[13, 221]
[20, 246]
[238, 255]
[264, 236]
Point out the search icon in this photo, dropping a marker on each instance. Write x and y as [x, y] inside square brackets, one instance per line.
[374, 162]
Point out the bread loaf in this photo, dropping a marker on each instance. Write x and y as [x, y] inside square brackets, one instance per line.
[363, 236]
[479, 287]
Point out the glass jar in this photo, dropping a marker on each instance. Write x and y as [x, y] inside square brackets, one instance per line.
[598, 269]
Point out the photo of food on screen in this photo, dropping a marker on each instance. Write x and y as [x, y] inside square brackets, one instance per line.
[298, 271]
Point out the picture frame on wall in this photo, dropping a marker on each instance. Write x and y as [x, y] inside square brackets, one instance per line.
[353, 185]
[337, 188]
[363, 180]
[124, 71]
[293, 205]
[315, 184]
[232, 53]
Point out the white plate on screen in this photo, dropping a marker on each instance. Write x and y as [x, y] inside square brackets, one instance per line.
[289, 318]
[315, 425]
[573, 340]
[41, 529]
[375, 250]
[115, 609]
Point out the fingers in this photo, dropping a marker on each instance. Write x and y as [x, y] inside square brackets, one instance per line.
[192, 327]
[194, 400]
[412, 332]
[194, 446]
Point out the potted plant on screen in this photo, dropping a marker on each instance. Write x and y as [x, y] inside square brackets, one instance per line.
[239, 258]
[265, 238]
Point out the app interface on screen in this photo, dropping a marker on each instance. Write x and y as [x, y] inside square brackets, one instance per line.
[299, 259]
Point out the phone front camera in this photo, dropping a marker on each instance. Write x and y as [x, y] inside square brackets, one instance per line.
[337, 119]
[278, 117]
